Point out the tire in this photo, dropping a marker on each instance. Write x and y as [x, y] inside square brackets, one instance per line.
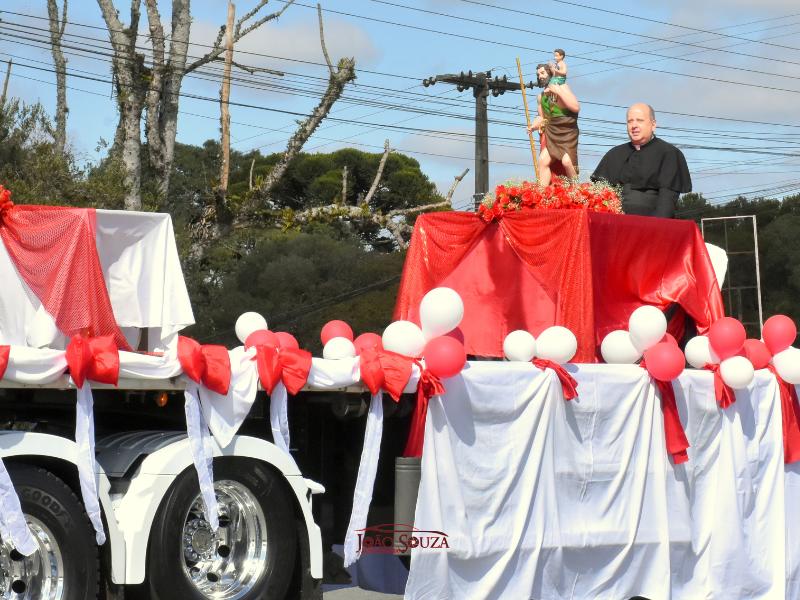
[256, 509]
[67, 546]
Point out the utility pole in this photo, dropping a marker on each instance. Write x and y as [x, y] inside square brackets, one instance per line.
[482, 84]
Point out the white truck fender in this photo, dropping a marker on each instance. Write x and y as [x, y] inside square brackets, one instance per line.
[22, 444]
[136, 510]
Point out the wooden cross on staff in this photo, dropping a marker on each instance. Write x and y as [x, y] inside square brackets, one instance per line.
[528, 120]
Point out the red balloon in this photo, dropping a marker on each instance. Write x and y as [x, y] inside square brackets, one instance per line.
[287, 341]
[668, 337]
[779, 333]
[445, 356]
[456, 334]
[262, 337]
[757, 353]
[727, 336]
[333, 329]
[664, 361]
[366, 341]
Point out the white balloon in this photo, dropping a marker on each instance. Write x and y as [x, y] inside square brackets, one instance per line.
[617, 348]
[699, 352]
[338, 347]
[440, 311]
[787, 363]
[647, 326]
[556, 343]
[247, 323]
[737, 372]
[519, 345]
[404, 337]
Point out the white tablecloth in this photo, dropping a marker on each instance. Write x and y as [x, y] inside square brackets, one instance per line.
[548, 499]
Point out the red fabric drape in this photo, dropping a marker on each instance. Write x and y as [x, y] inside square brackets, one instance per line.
[722, 392]
[583, 270]
[429, 386]
[207, 364]
[54, 252]
[5, 352]
[646, 260]
[381, 369]
[790, 414]
[95, 359]
[568, 384]
[674, 435]
[288, 365]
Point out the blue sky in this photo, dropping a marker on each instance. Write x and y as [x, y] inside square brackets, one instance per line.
[723, 76]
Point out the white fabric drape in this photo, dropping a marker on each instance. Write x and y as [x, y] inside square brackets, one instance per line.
[279, 417]
[202, 453]
[547, 499]
[87, 471]
[367, 469]
[13, 526]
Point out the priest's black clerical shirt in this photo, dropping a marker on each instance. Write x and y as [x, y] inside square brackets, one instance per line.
[652, 177]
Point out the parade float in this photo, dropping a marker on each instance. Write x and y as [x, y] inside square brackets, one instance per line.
[589, 464]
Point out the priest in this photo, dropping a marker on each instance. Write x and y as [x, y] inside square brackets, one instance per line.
[652, 172]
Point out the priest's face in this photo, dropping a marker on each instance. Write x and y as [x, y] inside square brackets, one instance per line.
[641, 125]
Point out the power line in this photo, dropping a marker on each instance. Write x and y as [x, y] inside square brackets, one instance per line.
[521, 47]
[417, 78]
[593, 43]
[668, 24]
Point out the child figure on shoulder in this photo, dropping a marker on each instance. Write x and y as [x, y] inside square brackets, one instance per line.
[559, 67]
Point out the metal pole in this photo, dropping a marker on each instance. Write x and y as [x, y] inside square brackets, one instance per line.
[758, 278]
[481, 92]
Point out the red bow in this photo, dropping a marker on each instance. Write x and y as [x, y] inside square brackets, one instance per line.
[723, 392]
[568, 384]
[93, 358]
[429, 386]
[790, 411]
[673, 429]
[5, 202]
[207, 364]
[289, 365]
[5, 352]
[381, 369]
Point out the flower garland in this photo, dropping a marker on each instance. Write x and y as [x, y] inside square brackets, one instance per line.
[561, 194]
[5, 202]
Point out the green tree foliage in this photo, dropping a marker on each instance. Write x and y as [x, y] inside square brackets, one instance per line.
[298, 281]
[778, 224]
[37, 173]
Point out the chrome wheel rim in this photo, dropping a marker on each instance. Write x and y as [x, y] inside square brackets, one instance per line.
[225, 565]
[36, 577]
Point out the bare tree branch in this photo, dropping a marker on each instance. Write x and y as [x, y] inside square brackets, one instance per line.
[128, 70]
[217, 50]
[416, 209]
[254, 70]
[322, 40]
[345, 73]
[5, 85]
[60, 64]
[344, 185]
[378, 174]
[224, 98]
[457, 180]
[252, 165]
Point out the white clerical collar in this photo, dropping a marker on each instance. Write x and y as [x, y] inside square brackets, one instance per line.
[639, 146]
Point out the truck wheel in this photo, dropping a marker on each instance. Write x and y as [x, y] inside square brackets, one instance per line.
[252, 554]
[65, 567]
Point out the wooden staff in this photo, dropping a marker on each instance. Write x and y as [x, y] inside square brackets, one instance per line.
[528, 119]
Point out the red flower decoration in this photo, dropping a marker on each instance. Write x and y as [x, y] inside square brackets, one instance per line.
[561, 194]
[5, 202]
